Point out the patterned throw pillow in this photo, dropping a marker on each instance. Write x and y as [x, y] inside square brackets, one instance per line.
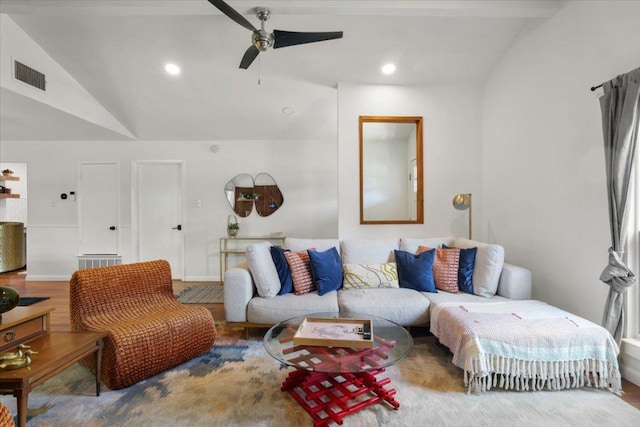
[300, 267]
[366, 276]
[465, 271]
[445, 268]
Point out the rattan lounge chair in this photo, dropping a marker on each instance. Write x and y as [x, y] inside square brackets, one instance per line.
[149, 331]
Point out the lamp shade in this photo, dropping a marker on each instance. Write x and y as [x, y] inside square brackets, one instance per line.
[462, 202]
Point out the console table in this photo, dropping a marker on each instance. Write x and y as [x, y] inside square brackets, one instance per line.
[238, 245]
[56, 351]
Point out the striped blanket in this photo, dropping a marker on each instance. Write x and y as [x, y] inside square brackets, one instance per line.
[526, 345]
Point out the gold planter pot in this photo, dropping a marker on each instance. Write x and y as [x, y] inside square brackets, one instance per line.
[12, 245]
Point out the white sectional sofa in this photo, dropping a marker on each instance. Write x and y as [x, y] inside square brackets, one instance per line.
[493, 280]
[497, 335]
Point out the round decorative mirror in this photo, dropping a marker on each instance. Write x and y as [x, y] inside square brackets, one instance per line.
[239, 193]
[267, 196]
[242, 193]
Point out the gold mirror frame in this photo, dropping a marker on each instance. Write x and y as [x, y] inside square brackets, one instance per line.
[419, 211]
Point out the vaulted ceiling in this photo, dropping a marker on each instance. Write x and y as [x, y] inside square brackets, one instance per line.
[117, 50]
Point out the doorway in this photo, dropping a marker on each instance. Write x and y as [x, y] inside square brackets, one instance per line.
[158, 213]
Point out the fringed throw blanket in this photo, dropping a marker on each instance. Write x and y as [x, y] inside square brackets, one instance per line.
[526, 345]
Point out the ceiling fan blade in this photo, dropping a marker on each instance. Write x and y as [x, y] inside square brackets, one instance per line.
[249, 56]
[292, 38]
[233, 14]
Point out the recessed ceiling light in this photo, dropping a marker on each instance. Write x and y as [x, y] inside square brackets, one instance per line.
[172, 69]
[388, 69]
[288, 111]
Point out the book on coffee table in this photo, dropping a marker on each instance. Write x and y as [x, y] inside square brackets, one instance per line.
[335, 332]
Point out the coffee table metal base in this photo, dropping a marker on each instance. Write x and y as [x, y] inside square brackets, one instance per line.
[329, 397]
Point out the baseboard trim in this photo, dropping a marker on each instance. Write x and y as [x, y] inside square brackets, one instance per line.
[630, 374]
[200, 279]
[39, 278]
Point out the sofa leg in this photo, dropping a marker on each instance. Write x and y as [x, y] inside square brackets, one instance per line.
[246, 333]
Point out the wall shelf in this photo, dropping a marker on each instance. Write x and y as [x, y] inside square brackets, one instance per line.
[9, 195]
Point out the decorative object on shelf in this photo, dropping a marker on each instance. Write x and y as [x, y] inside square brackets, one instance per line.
[9, 299]
[7, 172]
[244, 192]
[232, 226]
[462, 202]
[17, 362]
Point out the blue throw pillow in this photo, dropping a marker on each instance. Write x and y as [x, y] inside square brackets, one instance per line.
[465, 269]
[326, 269]
[415, 271]
[282, 267]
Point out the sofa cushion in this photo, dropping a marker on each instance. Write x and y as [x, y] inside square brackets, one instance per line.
[411, 244]
[297, 245]
[300, 268]
[368, 251]
[415, 271]
[282, 267]
[460, 297]
[465, 269]
[263, 270]
[366, 276]
[402, 306]
[326, 269]
[488, 266]
[275, 310]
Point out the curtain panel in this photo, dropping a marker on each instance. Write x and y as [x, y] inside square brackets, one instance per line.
[620, 118]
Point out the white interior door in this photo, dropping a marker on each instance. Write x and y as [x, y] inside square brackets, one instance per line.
[98, 208]
[158, 213]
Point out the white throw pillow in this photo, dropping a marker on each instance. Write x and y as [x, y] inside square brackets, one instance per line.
[368, 251]
[263, 269]
[297, 244]
[487, 268]
[362, 276]
[411, 244]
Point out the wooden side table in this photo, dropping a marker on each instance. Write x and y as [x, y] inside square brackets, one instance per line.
[56, 352]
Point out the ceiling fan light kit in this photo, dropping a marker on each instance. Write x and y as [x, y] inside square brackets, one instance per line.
[261, 40]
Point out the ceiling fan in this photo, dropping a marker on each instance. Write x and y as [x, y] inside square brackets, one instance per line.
[262, 40]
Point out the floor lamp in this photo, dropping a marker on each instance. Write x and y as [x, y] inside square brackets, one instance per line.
[462, 202]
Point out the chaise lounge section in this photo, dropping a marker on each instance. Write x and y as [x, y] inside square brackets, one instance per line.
[149, 331]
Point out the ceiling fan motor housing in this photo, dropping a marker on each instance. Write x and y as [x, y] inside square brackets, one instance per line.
[262, 40]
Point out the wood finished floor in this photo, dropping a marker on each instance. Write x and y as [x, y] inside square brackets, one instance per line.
[59, 299]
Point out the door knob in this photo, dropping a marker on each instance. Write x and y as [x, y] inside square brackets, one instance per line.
[178, 227]
[113, 227]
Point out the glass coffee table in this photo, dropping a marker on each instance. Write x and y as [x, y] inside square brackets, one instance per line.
[331, 382]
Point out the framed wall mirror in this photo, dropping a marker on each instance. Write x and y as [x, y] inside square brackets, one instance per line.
[391, 175]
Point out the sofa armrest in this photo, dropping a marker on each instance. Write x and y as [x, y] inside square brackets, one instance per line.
[238, 291]
[515, 282]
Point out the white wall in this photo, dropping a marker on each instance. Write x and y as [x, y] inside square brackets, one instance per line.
[452, 149]
[304, 170]
[544, 173]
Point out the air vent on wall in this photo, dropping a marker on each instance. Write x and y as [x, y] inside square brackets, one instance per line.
[29, 76]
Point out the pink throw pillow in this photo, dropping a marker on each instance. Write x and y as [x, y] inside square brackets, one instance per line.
[301, 275]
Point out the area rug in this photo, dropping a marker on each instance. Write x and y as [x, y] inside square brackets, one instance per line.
[205, 294]
[238, 384]
[26, 301]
